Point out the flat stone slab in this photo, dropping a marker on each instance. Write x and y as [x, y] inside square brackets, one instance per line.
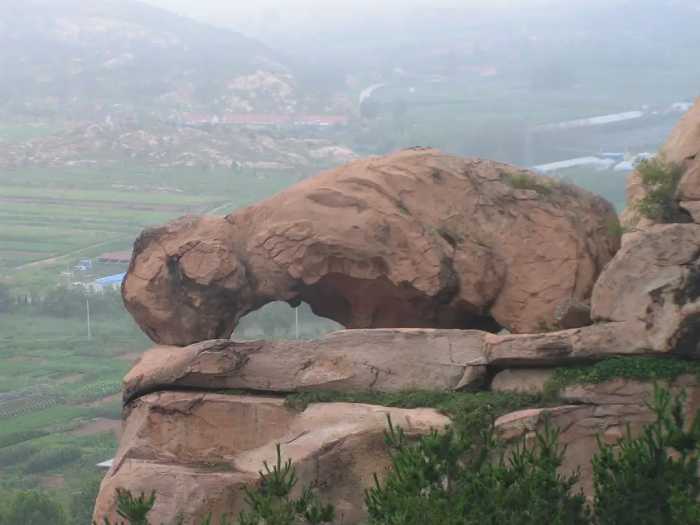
[379, 360]
[345, 361]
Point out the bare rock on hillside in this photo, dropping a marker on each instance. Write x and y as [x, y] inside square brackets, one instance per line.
[417, 239]
[597, 410]
[197, 451]
[653, 284]
[683, 149]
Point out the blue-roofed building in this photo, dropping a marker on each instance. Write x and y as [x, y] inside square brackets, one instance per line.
[111, 281]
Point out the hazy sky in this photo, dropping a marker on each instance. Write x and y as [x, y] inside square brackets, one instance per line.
[325, 7]
[250, 16]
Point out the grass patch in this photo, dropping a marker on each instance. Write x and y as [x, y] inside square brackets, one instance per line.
[459, 406]
[647, 369]
[524, 181]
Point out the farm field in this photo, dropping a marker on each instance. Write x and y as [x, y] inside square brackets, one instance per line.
[59, 397]
[50, 218]
[60, 402]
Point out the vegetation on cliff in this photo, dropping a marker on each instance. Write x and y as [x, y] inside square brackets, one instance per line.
[452, 478]
[632, 368]
[660, 181]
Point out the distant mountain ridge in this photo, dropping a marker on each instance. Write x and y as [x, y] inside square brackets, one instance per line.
[62, 56]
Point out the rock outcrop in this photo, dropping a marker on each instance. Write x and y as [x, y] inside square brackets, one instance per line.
[652, 287]
[492, 246]
[416, 239]
[682, 149]
[197, 451]
[386, 360]
[595, 410]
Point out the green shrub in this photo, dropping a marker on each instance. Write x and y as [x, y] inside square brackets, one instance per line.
[660, 181]
[452, 478]
[614, 228]
[52, 458]
[10, 456]
[32, 508]
[134, 510]
[652, 479]
[270, 503]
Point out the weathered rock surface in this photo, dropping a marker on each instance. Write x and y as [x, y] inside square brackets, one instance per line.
[345, 361]
[386, 360]
[563, 347]
[652, 286]
[197, 450]
[683, 149]
[418, 240]
[603, 410]
[415, 239]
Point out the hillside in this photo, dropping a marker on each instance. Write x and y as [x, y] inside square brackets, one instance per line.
[68, 57]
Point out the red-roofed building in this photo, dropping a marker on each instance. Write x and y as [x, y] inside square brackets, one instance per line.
[321, 120]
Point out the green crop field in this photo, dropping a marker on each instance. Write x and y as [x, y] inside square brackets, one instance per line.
[51, 218]
[59, 396]
[60, 400]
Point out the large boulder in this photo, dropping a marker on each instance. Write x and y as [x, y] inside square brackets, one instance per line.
[682, 149]
[414, 239]
[652, 288]
[198, 451]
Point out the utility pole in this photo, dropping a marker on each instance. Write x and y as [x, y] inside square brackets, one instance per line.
[296, 322]
[87, 307]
